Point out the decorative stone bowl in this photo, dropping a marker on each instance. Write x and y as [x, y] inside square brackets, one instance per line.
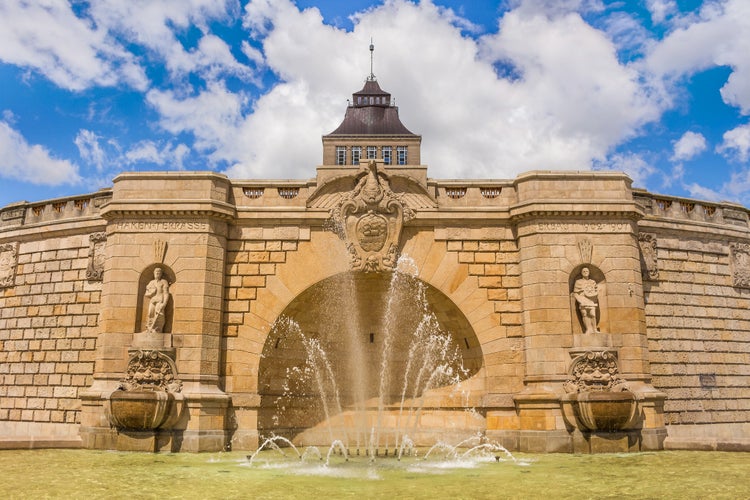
[140, 410]
[605, 411]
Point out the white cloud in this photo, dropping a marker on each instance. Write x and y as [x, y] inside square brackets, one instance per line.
[88, 146]
[150, 152]
[32, 163]
[156, 24]
[736, 143]
[703, 193]
[688, 146]
[632, 164]
[573, 103]
[661, 9]
[720, 37]
[73, 53]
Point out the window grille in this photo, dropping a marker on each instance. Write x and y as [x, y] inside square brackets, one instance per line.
[401, 155]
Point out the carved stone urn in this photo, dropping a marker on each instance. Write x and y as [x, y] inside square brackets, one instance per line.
[140, 410]
[599, 399]
[147, 398]
[604, 411]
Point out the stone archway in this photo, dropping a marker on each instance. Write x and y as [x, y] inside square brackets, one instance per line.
[364, 353]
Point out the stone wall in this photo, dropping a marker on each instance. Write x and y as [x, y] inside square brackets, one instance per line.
[502, 254]
[698, 321]
[49, 309]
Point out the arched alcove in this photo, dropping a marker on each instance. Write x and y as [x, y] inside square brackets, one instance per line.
[357, 348]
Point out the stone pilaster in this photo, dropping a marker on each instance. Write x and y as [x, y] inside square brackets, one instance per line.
[178, 223]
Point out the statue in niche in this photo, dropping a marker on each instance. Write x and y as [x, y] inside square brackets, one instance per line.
[157, 292]
[586, 294]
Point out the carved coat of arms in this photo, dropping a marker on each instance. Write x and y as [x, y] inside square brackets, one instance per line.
[371, 217]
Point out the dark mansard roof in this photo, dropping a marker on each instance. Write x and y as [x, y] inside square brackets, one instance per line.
[371, 112]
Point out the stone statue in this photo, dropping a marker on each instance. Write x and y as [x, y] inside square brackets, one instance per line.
[586, 294]
[157, 291]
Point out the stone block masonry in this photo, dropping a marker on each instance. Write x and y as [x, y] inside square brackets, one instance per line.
[48, 331]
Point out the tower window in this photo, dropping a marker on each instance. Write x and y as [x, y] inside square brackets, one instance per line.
[401, 154]
[356, 154]
[372, 152]
[387, 150]
[340, 155]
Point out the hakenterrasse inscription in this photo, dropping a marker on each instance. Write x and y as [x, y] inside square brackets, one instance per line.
[370, 219]
[8, 263]
[164, 226]
[95, 268]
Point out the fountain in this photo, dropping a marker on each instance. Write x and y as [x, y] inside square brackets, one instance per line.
[374, 389]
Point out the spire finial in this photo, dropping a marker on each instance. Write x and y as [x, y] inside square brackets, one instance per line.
[372, 51]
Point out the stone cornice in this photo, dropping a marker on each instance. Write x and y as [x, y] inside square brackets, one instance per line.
[169, 208]
[564, 208]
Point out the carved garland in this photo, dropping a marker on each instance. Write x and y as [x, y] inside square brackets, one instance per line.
[594, 372]
[151, 370]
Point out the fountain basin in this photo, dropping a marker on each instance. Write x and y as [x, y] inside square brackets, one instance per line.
[140, 410]
[604, 411]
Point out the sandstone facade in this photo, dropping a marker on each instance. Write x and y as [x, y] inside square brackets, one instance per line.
[499, 260]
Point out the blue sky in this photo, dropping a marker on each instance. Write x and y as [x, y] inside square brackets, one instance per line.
[657, 88]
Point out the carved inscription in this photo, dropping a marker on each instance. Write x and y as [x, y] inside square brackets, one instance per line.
[740, 260]
[161, 226]
[95, 269]
[8, 262]
[587, 227]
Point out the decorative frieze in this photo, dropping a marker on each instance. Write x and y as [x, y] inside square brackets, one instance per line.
[151, 370]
